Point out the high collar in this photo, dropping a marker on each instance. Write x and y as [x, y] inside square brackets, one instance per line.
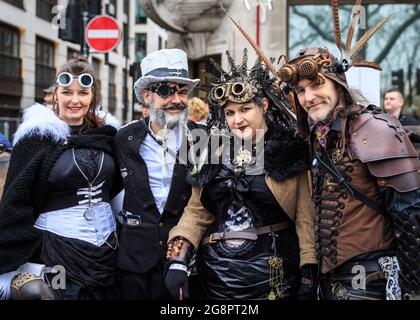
[284, 157]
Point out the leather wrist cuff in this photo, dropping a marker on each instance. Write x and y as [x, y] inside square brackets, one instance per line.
[179, 250]
[178, 266]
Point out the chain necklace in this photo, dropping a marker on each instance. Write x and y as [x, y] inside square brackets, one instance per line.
[89, 213]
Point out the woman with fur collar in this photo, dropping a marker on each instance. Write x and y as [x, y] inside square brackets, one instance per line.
[250, 215]
[57, 230]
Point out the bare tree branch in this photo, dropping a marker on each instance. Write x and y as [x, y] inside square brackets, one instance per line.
[303, 41]
[313, 25]
[395, 35]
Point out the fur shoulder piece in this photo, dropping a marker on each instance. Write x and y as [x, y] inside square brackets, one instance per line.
[110, 119]
[206, 174]
[129, 124]
[42, 121]
[284, 154]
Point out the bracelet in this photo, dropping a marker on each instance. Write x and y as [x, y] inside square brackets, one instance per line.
[23, 278]
[178, 266]
[179, 262]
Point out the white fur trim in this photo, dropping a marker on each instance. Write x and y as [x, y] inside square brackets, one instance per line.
[127, 124]
[109, 119]
[40, 120]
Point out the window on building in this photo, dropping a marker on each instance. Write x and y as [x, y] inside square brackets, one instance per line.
[44, 9]
[44, 66]
[197, 70]
[10, 63]
[160, 43]
[16, 3]
[111, 8]
[140, 14]
[127, 7]
[125, 39]
[125, 95]
[141, 46]
[11, 83]
[395, 47]
[71, 53]
[112, 92]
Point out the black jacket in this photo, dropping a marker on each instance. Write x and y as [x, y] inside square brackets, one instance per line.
[142, 245]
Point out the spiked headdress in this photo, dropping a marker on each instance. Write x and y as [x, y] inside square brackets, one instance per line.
[237, 85]
[241, 85]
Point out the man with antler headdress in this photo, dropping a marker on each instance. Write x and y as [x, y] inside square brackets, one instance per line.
[365, 180]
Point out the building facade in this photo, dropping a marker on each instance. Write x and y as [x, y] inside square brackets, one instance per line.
[31, 52]
[281, 27]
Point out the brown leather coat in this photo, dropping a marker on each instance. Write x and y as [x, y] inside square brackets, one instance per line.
[293, 195]
[373, 153]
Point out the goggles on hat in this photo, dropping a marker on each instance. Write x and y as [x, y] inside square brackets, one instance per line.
[309, 68]
[65, 79]
[164, 90]
[239, 92]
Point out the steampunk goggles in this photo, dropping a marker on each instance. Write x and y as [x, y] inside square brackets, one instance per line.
[239, 92]
[164, 90]
[65, 79]
[310, 68]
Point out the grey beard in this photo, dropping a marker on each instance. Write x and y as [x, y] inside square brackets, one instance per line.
[160, 117]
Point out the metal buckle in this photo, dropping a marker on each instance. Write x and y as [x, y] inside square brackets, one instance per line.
[211, 239]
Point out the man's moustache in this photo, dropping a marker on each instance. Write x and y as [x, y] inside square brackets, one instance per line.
[174, 107]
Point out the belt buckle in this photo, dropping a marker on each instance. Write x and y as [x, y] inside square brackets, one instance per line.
[211, 239]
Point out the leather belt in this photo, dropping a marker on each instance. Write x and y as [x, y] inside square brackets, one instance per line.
[348, 267]
[348, 278]
[249, 234]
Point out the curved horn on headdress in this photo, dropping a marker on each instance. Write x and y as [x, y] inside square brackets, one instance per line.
[261, 57]
[356, 13]
[336, 19]
[368, 34]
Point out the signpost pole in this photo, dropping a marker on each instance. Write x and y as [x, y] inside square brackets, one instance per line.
[84, 48]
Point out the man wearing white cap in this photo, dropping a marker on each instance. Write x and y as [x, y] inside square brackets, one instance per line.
[154, 173]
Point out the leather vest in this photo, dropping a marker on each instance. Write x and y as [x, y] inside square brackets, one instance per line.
[345, 226]
[144, 243]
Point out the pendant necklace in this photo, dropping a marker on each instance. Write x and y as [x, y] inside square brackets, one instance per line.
[90, 212]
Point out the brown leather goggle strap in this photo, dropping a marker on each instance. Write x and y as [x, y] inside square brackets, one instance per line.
[250, 234]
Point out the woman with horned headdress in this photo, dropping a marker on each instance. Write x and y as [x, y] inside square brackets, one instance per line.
[365, 176]
[250, 217]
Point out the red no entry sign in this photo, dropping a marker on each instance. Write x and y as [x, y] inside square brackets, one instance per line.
[102, 33]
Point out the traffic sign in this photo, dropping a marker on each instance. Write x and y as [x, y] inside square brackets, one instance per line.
[102, 33]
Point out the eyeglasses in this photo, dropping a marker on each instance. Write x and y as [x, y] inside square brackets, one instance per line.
[65, 79]
[164, 90]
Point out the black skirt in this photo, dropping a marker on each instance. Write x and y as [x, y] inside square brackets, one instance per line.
[224, 278]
